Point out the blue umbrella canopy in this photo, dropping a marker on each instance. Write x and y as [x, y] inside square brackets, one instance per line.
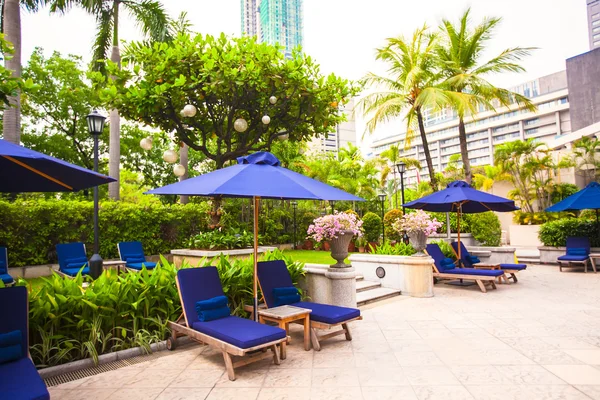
[586, 198]
[25, 170]
[461, 194]
[256, 175]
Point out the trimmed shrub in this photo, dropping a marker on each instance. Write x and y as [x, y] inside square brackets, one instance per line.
[485, 228]
[441, 217]
[398, 249]
[372, 226]
[555, 233]
[31, 229]
[388, 219]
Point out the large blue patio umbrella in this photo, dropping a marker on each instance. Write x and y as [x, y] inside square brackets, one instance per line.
[461, 198]
[587, 198]
[25, 170]
[256, 176]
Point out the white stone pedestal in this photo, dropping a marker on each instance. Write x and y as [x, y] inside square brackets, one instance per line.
[335, 286]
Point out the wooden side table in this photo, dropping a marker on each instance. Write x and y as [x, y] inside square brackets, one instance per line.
[283, 316]
[115, 263]
[492, 267]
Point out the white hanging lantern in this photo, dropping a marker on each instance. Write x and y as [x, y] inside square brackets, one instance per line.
[170, 156]
[240, 125]
[146, 143]
[284, 137]
[272, 99]
[266, 119]
[182, 113]
[178, 170]
[189, 110]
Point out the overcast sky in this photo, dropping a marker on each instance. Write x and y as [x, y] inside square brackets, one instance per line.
[342, 34]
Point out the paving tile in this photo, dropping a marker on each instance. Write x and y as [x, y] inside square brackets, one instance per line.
[136, 394]
[197, 379]
[112, 379]
[593, 391]
[389, 393]
[295, 393]
[587, 356]
[479, 375]
[556, 392]
[530, 375]
[183, 394]
[336, 393]
[328, 359]
[76, 394]
[442, 393]
[334, 377]
[375, 360]
[495, 392]
[288, 378]
[233, 393]
[244, 378]
[571, 343]
[418, 359]
[379, 377]
[153, 378]
[430, 375]
[576, 374]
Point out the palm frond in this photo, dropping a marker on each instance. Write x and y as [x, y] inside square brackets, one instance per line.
[103, 41]
[151, 18]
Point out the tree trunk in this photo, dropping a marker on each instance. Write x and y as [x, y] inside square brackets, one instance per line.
[11, 129]
[464, 153]
[114, 146]
[432, 179]
[183, 160]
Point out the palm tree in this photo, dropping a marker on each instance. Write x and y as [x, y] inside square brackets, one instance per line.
[460, 60]
[586, 152]
[154, 23]
[413, 86]
[491, 174]
[393, 156]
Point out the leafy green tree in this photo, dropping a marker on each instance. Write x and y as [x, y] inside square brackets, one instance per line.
[9, 85]
[485, 179]
[460, 60]
[586, 152]
[413, 85]
[393, 156]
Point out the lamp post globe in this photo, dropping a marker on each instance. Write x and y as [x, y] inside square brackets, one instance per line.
[95, 122]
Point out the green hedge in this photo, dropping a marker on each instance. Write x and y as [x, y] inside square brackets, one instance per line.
[371, 226]
[555, 233]
[485, 228]
[31, 229]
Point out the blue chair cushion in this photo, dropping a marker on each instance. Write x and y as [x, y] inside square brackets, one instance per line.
[133, 260]
[240, 332]
[213, 314]
[475, 272]
[446, 264]
[2, 264]
[10, 346]
[515, 267]
[285, 295]
[572, 258]
[76, 266]
[74, 271]
[77, 260]
[212, 303]
[6, 278]
[19, 380]
[328, 314]
[138, 266]
[473, 259]
[577, 251]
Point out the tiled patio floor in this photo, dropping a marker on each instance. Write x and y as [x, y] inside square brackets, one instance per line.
[538, 339]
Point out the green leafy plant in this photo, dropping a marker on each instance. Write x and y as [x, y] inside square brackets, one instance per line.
[222, 240]
[446, 248]
[371, 226]
[555, 233]
[540, 217]
[485, 228]
[398, 249]
[388, 219]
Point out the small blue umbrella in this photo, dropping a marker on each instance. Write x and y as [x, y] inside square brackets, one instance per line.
[256, 176]
[460, 197]
[587, 198]
[25, 170]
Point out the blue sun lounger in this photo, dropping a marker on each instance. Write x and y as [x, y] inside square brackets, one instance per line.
[72, 259]
[19, 380]
[578, 253]
[471, 261]
[275, 275]
[4, 276]
[233, 336]
[133, 254]
[444, 268]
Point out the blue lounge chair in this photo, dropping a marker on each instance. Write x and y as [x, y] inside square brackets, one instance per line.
[471, 261]
[19, 380]
[133, 254]
[72, 259]
[578, 253]
[4, 276]
[231, 335]
[444, 268]
[274, 274]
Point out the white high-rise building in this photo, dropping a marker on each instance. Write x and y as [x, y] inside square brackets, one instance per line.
[345, 133]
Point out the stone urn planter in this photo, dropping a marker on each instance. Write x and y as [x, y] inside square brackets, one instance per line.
[418, 241]
[339, 248]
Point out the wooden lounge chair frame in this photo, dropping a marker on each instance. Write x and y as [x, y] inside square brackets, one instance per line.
[482, 281]
[315, 338]
[508, 273]
[569, 264]
[181, 328]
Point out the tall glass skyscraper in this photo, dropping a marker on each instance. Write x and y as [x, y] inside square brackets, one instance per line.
[273, 21]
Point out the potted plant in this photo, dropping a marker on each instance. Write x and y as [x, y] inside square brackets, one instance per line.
[361, 242]
[418, 225]
[338, 229]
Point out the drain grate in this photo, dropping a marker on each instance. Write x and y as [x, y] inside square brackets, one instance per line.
[110, 366]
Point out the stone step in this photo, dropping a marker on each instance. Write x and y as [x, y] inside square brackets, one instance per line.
[359, 278]
[529, 260]
[363, 285]
[372, 295]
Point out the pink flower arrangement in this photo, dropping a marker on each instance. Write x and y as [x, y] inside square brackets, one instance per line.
[418, 221]
[331, 226]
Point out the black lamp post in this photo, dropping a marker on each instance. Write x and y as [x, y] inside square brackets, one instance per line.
[382, 200]
[401, 167]
[95, 122]
[294, 206]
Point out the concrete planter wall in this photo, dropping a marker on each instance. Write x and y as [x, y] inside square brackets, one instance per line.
[411, 275]
[524, 235]
[493, 255]
[194, 257]
[548, 254]
[465, 238]
[335, 286]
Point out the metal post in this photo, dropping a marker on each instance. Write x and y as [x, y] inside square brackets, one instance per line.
[331, 203]
[95, 262]
[294, 206]
[402, 190]
[382, 216]
[255, 288]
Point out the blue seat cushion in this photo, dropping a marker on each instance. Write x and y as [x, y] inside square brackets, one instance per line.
[212, 303]
[516, 267]
[74, 271]
[327, 313]
[133, 260]
[475, 272]
[19, 380]
[6, 278]
[473, 259]
[240, 332]
[577, 251]
[216, 313]
[446, 264]
[572, 258]
[10, 346]
[285, 295]
[138, 266]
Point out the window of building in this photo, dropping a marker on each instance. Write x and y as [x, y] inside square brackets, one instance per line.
[532, 121]
[594, 16]
[532, 131]
[597, 29]
[596, 22]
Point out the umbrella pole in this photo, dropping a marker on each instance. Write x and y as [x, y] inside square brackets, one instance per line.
[458, 232]
[256, 201]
